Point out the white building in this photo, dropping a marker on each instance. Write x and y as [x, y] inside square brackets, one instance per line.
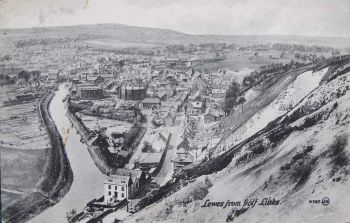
[123, 185]
[218, 93]
[116, 188]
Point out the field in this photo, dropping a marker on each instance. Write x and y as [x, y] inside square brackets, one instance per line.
[21, 126]
[23, 147]
[20, 171]
[95, 123]
[237, 60]
[117, 44]
[32, 176]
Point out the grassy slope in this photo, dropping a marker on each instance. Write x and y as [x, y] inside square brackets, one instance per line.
[21, 169]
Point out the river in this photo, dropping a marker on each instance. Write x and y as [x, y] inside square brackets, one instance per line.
[88, 179]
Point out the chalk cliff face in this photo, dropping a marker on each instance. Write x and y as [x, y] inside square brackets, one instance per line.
[294, 153]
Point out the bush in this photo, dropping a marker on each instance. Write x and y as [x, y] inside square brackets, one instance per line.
[259, 149]
[242, 158]
[338, 153]
[302, 172]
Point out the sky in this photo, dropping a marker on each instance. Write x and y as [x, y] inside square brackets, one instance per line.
[251, 17]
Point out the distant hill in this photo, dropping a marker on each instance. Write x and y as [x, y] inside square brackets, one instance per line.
[158, 36]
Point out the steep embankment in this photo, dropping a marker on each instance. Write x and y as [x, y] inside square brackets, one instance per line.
[55, 181]
[298, 88]
[301, 155]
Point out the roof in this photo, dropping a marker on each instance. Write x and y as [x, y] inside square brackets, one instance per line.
[157, 180]
[150, 158]
[162, 94]
[151, 101]
[184, 158]
[162, 137]
[117, 129]
[197, 104]
[214, 113]
[117, 180]
[123, 153]
[183, 144]
[218, 91]
[90, 88]
[93, 78]
[135, 174]
[169, 115]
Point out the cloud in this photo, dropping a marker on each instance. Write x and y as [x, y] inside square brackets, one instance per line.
[299, 17]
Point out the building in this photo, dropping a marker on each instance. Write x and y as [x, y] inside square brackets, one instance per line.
[116, 188]
[212, 116]
[138, 178]
[117, 133]
[162, 95]
[123, 184]
[90, 92]
[183, 158]
[218, 93]
[148, 161]
[195, 108]
[157, 120]
[97, 80]
[132, 91]
[151, 103]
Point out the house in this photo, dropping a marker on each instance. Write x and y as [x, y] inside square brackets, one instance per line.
[123, 184]
[138, 178]
[116, 188]
[151, 103]
[157, 120]
[156, 182]
[148, 161]
[90, 92]
[171, 62]
[162, 95]
[184, 145]
[75, 80]
[212, 116]
[195, 107]
[218, 93]
[155, 74]
[97, 80]
[117, 134]
[185, 155]
[183, 159]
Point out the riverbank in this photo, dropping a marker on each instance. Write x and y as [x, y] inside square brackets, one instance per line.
[54, 182]
[106, 161]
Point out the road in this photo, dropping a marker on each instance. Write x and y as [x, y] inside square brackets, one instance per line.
[167, 170]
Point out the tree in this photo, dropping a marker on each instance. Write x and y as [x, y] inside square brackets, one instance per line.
[248, 80]
[121, 63]
[231, 96]
[241, 101]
